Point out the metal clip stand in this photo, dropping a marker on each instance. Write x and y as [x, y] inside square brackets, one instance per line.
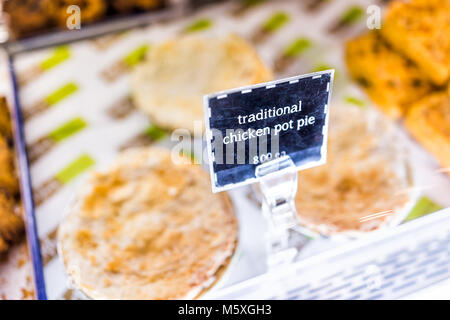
[278, 182]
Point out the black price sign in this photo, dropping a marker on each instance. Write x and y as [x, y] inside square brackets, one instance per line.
[248, 126]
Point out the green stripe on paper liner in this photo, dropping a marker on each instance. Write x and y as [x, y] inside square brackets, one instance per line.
[297, 47]
[199, 25]
[74, 169]
[61, 93]
[68, 129]
[322, 67]
[351, 15]
[423, 207]
[276, 21]
[355, 101]
[252, 3]
[136, 56]
[325, 66]
[155, 133]
[59, 55]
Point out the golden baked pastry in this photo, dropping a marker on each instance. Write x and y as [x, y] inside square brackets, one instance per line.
[147, 228]
[420, 29]
[429, 122]
[11, 225]
[8, 179]
[26, 16]
[169, 86]
[91, 10]
[125, 6]
[5, 120]
[391, 81]
[364, 183]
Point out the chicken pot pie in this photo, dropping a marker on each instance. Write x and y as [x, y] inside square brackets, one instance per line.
[366, 182]
[147, 228]
[169, 86]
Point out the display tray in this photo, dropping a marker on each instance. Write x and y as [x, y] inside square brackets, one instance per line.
[74, 114]
[109, 23]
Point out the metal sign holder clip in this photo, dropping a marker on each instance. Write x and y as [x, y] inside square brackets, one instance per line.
[278, 182]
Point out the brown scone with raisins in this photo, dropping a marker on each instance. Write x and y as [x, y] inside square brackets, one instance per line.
[420, 29]
[11, 225]
[392, 81]
[8, 178]
[26, 16]
[125, 6]
[90, 10]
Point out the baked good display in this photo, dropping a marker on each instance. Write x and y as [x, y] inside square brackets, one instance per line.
[147, 228]
[90, 10]
[392, 81]
[8, 178]
[31, 17]
[366, 179]
[170, 84]
[420, 30]
[125, 6]
[11, 225]
[5, 120]
[403, 66]
[26, 16]
[428, 121]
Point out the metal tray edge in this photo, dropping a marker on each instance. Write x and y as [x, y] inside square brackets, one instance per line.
[26, 189]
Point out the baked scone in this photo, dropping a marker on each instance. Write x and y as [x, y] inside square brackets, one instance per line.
[11, 225]
[420, 30]
[125, 6]
[364, 183]
[169, 86]
[90, 10]
[27, 16]
[5, 120]
[8, 179]
[391, 81]
[147, 228]
[429, 122]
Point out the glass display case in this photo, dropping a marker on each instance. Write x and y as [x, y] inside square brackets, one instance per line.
[75, 112]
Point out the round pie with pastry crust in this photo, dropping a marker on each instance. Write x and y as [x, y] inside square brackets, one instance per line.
[170, 84]
[147, 228]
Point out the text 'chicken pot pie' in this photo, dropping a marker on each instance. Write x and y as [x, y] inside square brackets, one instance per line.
[147, 228]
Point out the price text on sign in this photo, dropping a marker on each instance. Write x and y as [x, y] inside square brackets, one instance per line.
[248, 126]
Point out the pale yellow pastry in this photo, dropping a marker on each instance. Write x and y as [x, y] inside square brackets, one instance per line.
[147, 228]
[420, 29]
[170, 84]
